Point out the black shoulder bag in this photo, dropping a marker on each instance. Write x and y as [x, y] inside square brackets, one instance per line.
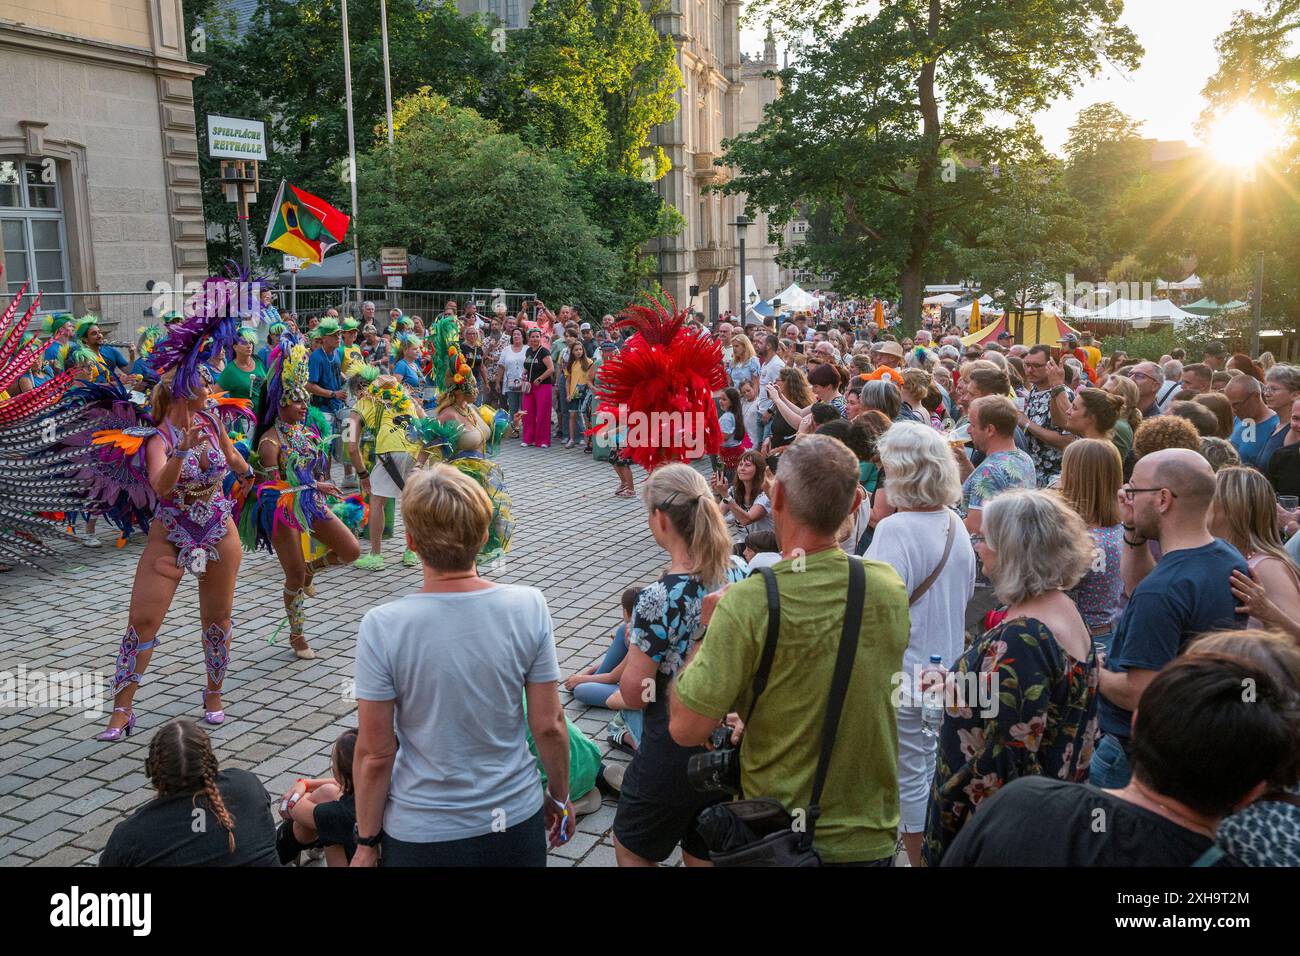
[760, 831]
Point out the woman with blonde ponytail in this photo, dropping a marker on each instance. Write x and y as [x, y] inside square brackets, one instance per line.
[202, 816]
[658, 806]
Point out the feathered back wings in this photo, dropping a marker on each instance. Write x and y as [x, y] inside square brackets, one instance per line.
[660, 385]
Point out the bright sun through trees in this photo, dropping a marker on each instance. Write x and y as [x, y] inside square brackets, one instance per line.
[1244, 135]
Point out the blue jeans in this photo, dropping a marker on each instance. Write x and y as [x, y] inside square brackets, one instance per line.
[595, 694]
[1109, 768]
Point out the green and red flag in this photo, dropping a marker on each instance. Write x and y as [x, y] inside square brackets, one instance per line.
[304, 225]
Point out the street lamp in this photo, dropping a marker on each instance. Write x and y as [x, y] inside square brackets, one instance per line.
[741, 224]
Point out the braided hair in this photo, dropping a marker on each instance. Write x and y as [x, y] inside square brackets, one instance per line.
[181, 760]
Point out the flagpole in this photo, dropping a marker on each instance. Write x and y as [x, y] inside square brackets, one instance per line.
[388, 82]
[352, 153]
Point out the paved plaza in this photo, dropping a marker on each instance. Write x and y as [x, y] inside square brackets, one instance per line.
[61, 793]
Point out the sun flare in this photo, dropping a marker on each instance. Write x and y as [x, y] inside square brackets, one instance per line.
[1243, 136]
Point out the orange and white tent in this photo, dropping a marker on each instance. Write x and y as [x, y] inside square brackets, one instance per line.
[1036, 328]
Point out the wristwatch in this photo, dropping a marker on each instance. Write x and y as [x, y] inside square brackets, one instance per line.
[1056, 390]
[366, 841]
[363, 474]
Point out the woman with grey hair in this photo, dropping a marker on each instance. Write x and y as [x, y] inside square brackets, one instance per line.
[927, 545]
[1022, 700]
[883, 396]
[1281, 389]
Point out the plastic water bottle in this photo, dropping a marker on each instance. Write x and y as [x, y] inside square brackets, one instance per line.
[931, 700]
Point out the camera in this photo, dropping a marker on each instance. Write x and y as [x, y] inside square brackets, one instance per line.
[717, 770]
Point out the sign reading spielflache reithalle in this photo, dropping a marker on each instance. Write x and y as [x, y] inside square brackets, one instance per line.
[232, 138]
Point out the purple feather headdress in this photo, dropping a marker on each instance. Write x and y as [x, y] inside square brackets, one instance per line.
[211, 323]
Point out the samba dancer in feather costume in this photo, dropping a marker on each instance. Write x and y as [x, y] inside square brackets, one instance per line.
[289, 500]
[464, 435]
[176, 469]
[664, 378]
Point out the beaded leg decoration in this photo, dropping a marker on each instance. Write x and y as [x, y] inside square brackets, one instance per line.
[124, 675]
[293, 606]
[216, 656]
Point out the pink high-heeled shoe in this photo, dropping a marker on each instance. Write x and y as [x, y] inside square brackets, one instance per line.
[114, 734]
[212, 716]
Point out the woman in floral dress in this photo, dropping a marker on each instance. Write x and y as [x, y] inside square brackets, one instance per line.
[1029, 704]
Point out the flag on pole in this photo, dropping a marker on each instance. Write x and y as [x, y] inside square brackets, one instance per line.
[975, 323]
[304, 225]
[880, 314]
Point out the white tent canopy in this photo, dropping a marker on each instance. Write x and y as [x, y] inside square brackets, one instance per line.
[797, 300]
[1143, 311]
[1193, 281]
[751, 288]
[943, 298]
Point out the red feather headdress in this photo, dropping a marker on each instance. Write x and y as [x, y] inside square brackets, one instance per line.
[661, 384]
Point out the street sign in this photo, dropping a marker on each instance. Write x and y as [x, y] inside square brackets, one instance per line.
[394, 282]
[293, 263]
[392, 261]
[232, 138]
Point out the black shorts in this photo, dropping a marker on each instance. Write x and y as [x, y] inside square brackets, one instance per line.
[658, 807]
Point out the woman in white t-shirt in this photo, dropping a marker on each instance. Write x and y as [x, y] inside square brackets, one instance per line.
[745, 505]
[512, 375]
[446, 672]
[922, 536]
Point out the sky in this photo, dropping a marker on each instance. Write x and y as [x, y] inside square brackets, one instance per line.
[1164, 93]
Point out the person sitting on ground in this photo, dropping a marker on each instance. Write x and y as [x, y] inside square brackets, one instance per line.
[1168, 812]
[744, 503]
[322, 812]
[597, 685]
[1034, 548]
[590, 778]
[238, 827]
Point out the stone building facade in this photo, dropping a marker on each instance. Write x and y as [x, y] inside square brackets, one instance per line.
[761, 251]
[99, 172]
[707, 36]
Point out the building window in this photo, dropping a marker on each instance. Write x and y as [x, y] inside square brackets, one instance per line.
[32, 231]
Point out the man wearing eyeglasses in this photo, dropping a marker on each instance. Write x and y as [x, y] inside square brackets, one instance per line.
[1148, 376]
[1255, 421]
[1044, 415]
[1186, 594]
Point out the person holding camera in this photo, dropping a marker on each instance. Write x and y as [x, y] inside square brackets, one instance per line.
[824, 678]
[658, 806]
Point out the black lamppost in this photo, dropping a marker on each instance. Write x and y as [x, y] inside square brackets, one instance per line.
[741, 224]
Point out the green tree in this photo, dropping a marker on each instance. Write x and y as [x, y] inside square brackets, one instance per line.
[1106, 161]
[882, 98]
[1030, 238]
[287, 70]
[454, 188]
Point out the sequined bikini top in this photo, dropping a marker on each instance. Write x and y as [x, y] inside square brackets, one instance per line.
[203, 467]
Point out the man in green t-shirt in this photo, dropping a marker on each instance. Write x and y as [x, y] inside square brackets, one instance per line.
[816, 488]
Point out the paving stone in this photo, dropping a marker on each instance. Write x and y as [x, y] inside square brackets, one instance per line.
[62, 793]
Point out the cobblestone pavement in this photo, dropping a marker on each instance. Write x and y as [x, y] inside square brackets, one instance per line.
[61, 793]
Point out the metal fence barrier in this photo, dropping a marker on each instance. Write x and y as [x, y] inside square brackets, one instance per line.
[122, 314]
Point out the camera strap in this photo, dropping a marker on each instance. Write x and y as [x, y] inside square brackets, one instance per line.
[849, 639]
[848, 649]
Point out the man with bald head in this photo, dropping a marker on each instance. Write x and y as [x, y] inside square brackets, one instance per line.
[1255, 421]
[1183, 595]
